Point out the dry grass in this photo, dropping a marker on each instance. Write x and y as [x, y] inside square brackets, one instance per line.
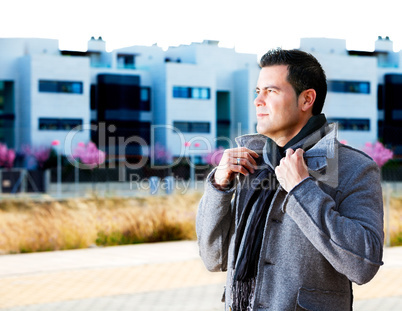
[395, 220]
[31, 226]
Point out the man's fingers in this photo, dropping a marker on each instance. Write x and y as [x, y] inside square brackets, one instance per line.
[244, 155]
[300, 152]
[244, 151]
[249, 159]
[252, 152]
[238, 160]
[234, 168]
[241, 169]
[289, 152]
[244, 163]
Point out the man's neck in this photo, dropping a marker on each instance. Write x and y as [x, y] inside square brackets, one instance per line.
[286, 137]
[312, 125]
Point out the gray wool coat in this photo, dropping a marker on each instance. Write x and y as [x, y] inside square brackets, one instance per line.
[324, 234]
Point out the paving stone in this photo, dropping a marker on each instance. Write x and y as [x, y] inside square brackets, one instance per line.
[149, 277]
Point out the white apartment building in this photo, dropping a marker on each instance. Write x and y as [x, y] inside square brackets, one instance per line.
[200, 94]
[44, 95]
[352, 89]
[208, 96]
[365, 90]
[121, 97]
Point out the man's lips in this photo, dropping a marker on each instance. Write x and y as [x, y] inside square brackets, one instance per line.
[261, 115]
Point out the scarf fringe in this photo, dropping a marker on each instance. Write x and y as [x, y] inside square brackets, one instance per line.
[243, 294]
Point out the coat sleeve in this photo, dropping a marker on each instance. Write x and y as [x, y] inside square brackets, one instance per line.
[213, 224]
[349, 232]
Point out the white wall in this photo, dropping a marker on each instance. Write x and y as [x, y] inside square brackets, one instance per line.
[23, 103]
[241, 108]
[145, 56]
[188, 109]
[59, 105]
[323, 46]
[244, 116]
[14, 66]
[352, 105]
[231, 72]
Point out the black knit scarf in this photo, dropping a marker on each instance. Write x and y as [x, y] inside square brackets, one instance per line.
[251, 228]
[258, 189]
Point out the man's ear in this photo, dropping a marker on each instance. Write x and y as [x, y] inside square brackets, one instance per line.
[307, 99]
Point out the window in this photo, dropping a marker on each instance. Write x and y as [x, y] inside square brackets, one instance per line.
[126, 61]
[60, 87]
[380, 97]
[192, 127]
[199, 127]
[121, 92]
[2, 96]
[204, 93]
[144, 94]
[145, 98]
[349, 87]
[397, 114]
[181, 92]
[195, 92]
[56, 124]
[351, 124]
[191, 92]
[93, 101]
[48, 124]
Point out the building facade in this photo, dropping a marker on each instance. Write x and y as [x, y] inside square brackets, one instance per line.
[127, 100]
[43, 95]
[364, 90]
[188, 99]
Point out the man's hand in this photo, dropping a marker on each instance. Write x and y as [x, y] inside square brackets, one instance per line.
[291, 169]
[236, 160]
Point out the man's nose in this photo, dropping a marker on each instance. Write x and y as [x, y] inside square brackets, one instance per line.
[259, 101]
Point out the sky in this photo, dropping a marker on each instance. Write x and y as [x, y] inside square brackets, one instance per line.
[249, 26]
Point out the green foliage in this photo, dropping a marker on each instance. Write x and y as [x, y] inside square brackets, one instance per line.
[396, 240]
[162, 233]
[117, 238]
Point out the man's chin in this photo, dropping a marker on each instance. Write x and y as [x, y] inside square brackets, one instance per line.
[260, 130]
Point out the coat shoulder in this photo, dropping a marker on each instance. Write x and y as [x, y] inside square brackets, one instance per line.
[352, 156]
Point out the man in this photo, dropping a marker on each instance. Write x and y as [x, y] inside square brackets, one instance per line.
[291, 214]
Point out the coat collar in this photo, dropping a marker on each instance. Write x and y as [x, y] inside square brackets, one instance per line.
[255, 142]
[320, 146]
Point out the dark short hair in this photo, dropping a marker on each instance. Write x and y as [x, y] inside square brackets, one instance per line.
[304, 72]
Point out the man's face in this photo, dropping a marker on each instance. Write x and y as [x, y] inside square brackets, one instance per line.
[277, 108]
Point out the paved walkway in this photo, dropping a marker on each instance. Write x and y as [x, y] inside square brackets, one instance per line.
[148, 277]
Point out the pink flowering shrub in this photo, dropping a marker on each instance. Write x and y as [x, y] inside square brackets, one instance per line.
[40, 154]
[7, 156]
[378, 153]
[214, 157]
[89, 155]
[161, 155]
